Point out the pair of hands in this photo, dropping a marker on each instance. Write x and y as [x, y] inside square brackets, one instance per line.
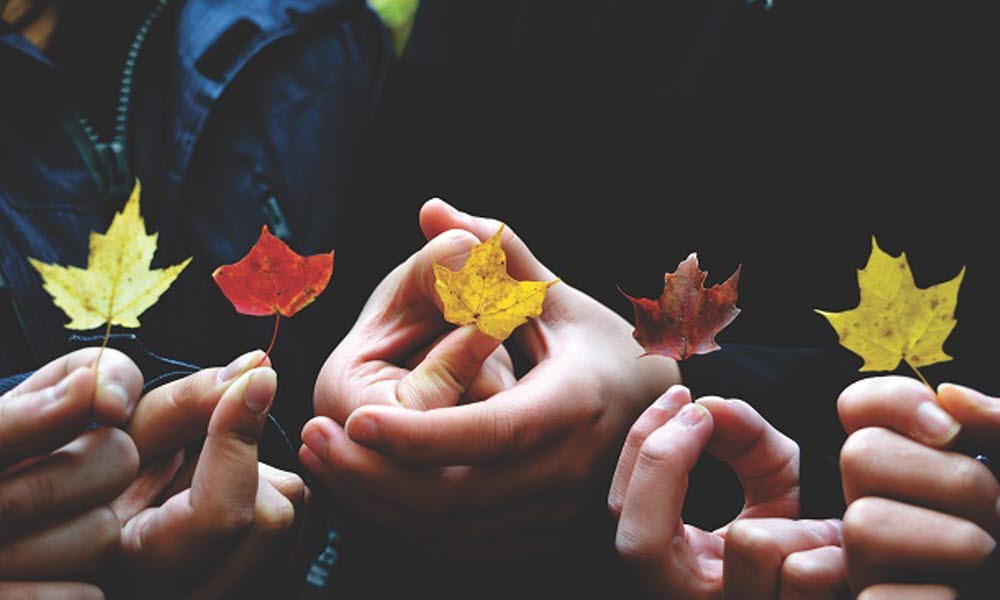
[76, 500]
[766, 552]
[920, 517]
[426, 430]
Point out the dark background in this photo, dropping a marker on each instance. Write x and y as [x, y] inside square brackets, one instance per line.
[618, 136]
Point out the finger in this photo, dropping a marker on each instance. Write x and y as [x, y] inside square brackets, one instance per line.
[511, 423]
[447, 371]
[496, 374]
[150, 484]
[437, 217]
[91, 470]
[884, 538]
[817, 574]
[511, 521]
[765, 460]
[79, 545]
[272, 526]
[978, 413]
[118, 386]
[901, 404]
[651, 513]
[879, 462]
[665, 407]
[444, 492]
[220, 504]
[225, 479]
[910, 591]
[31, 590]
[176, 414]
[756, 550]
[38, 422]
[402, 316]
[288, 484]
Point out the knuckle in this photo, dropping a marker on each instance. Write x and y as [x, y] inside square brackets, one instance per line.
[507, 435]
[972, 479]
[634, 547]
[277, 518]
[860, 449]
[864, 522]
[748, 539]
[235, 520]
[121, 450]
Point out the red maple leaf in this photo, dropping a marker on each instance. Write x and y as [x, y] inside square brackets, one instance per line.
[685, 319]
[273, 280]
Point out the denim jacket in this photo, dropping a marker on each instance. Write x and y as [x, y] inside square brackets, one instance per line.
[242, 114]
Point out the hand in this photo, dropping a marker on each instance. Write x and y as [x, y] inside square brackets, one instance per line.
[919, 516]
[764, 553]
[58, 478]
[442, 443]
[224, 514]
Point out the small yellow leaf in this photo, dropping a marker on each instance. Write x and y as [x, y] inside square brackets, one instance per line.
[117, 285]
[895, 319]
[484, 294]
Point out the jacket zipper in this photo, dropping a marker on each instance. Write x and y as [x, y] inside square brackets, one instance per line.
[108, 160]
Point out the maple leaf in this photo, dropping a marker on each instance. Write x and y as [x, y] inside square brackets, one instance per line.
[685, 319]
[398, 17]
[482, 293]
[273, 280]
[117, 286]
[895, 320]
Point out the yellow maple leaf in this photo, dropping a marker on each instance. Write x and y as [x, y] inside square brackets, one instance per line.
[895, 319]
[117, 285]
[482, 293]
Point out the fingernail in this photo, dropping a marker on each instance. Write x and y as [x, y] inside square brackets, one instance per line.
[692, 414]
[362, 428]
[239, 366]
[315, 437]
[935, 424]
[113, 392]
[259, 390]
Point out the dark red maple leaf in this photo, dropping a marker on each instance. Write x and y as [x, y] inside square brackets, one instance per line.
[685, 319]
[273, 280]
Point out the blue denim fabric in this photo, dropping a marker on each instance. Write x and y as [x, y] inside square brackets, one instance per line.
[244, 113]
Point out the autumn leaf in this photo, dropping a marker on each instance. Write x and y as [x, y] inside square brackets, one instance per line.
[117, 286]
[895, 320]
[273, 280]
[398, 17]
[482, 293]
[685, 319]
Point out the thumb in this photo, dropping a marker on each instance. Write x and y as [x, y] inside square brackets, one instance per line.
[978, 413]
[447, 371]
[437, 216]
[764, 459]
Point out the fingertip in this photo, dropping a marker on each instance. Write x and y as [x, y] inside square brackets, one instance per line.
[676, 396]
[244, 405]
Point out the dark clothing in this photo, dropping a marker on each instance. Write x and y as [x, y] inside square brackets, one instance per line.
[615, 136]
[244, 113]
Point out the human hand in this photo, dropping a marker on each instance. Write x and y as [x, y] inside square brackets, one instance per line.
[224, 514]
[58, 477]
[918, 516]
[764, 553]
[442, 443]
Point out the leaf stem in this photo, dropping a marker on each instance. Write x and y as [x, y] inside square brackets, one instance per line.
[274, 336]
[921, 376]
[104, 344]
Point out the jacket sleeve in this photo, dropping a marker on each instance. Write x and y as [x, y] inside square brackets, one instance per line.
[796, 391]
